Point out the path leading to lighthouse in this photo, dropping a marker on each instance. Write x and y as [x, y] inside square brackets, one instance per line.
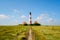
[30, 34]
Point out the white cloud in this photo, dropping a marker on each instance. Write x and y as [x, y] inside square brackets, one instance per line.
[2, 16]
[16, 21]
[38, 17]
[50, 20]
[16, 11]
[23, 16]
[12, 16]
[44, 18]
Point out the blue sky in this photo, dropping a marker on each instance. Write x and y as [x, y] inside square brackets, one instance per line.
[46, 12]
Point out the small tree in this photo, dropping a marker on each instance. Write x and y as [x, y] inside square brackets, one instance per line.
[36, 23]
[25, 23]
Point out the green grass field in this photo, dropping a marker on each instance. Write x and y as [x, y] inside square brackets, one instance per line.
[39, 32]
[48, 32]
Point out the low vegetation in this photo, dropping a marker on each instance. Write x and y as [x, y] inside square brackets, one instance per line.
[34, 24]
[47, 32]
[12, 32]
[18, 32]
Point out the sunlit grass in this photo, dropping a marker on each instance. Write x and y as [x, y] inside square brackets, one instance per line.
[50, 32]
[12, 32]
[39, 32]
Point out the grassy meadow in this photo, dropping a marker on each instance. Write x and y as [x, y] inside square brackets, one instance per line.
[39, 32]
[47, 32]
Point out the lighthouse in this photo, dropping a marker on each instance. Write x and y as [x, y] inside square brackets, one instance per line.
[30, 19]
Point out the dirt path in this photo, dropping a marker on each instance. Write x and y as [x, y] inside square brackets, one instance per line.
[30, 34]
